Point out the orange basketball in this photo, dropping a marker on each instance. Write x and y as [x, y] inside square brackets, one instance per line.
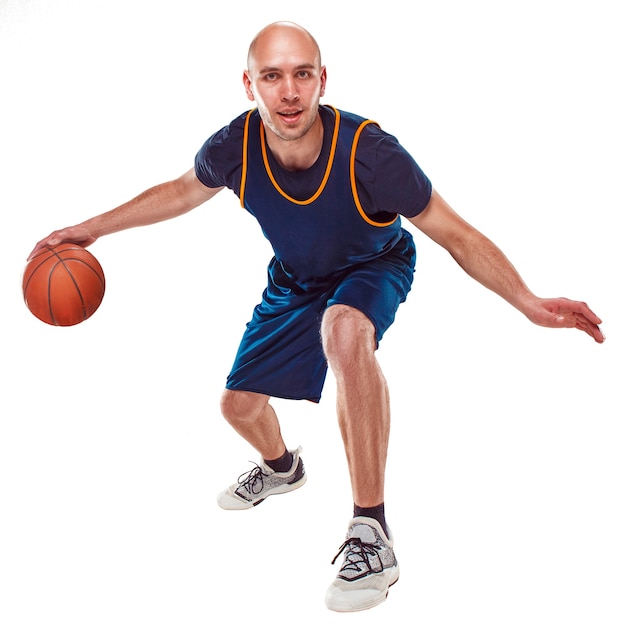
[63, 285]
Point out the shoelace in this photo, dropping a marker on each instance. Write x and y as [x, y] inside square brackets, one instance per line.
[360, 551]
[249, 480]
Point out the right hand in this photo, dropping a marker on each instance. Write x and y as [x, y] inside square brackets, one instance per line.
[79, 235]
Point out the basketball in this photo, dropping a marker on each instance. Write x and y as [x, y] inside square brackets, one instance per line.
[63, 285]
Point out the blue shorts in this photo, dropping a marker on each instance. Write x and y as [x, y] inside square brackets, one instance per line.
[281, 354]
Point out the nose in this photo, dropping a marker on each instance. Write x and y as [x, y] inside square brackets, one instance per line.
[290, 91]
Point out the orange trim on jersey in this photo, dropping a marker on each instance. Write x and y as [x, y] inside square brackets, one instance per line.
[244, 162]
[329, 165]
[355, 193]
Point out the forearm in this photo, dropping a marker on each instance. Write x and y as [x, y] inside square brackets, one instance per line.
[487, 264]
[157, 204]
[474, 252]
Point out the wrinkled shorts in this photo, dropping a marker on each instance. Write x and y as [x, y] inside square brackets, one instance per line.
[280, 354]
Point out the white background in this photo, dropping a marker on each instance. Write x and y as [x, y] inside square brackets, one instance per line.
[507, 468]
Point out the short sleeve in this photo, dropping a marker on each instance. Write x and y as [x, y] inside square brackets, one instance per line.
[218, 162]
[388, 177]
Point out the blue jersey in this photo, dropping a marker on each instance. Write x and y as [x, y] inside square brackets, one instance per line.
[335, 229]
[341, 212]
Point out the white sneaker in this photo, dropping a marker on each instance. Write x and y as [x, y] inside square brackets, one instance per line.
[254, 486]
[369, 568]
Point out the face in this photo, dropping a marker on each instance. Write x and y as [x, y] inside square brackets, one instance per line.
[286, 80]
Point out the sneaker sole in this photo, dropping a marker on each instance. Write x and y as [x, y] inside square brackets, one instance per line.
[230, 502]
[352, 607]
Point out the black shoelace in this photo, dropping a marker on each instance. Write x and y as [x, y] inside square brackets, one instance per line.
[357, 553]
[252, 481]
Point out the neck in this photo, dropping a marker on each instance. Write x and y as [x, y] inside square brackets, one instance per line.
[298, 154]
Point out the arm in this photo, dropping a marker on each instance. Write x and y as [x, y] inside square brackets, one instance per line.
[486, 263]
[157, 204]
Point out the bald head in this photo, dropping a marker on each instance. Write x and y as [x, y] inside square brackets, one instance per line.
[281, 34]
[286, 80]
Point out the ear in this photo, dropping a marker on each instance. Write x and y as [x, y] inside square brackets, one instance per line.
[323, 81]
[247, 83]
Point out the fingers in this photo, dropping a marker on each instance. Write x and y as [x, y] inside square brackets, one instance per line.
[566, 313]
[76, 234]
[581, 322]
[590, 327]
[588, 313]
[587, 321]
[40, 244]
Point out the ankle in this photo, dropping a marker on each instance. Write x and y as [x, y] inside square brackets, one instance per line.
[282, 464]
[376, 512]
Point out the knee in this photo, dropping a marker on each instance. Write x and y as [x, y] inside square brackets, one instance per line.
[241, 406]
[347, 335]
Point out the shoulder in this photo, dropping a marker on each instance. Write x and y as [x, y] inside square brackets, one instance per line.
[378, 148]
[230, 134]
[221, 154]
[396, 182]
[373, 140]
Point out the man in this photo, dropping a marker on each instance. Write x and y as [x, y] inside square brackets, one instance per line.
[328, 189]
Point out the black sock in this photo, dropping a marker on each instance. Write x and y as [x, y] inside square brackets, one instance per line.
[282, 463]
[377, 512]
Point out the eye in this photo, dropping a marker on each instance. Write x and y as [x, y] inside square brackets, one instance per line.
[271, 76]
[303, 74]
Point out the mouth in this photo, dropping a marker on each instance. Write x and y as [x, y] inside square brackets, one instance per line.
[290, 116]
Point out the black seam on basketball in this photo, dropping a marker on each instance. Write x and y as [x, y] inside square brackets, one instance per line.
[52, 318]
[83, 262]
[62, 261]
[34, 272]
[78, 291]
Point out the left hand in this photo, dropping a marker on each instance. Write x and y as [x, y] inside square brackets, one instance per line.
[564, 313]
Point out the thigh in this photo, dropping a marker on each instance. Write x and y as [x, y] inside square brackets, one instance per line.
[377, 288]
[280, 354]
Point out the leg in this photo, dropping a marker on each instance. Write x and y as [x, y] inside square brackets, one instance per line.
[253, 417]
[363, 410]
[280, 471]
[370, 566]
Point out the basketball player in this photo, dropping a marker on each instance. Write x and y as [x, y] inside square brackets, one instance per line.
[328, 189]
